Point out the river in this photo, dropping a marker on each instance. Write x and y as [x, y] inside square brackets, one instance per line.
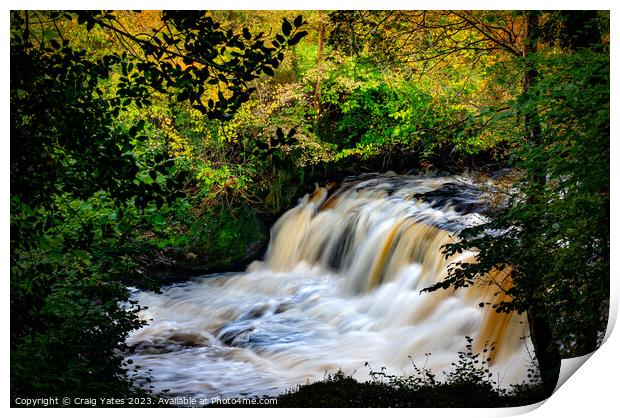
[338, 289]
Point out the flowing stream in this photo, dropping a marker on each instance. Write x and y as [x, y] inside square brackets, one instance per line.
[339, 289]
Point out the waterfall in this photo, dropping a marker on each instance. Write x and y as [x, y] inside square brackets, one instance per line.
[339, 288]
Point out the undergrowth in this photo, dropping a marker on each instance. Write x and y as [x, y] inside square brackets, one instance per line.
[470, 383]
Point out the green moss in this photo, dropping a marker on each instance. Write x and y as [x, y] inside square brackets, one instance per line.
[225, 239]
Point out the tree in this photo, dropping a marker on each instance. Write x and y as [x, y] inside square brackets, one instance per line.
[554, 232]
[472, 61]
[319, 63]
[550, 64]
[79, 181]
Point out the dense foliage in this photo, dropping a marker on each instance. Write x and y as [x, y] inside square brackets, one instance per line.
[150, 145]
[89, 186]
[554, 234]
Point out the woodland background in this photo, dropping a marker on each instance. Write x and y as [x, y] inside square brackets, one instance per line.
[150, 146]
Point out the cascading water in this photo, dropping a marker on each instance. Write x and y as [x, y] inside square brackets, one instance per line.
[339, 287]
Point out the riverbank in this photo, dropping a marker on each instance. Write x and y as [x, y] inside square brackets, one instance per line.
[341, 391]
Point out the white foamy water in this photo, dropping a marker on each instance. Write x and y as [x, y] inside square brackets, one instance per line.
[339, 287]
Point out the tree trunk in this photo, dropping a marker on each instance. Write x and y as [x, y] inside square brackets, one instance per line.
[547, 353]
[319, 62]
[580, 29]
[532, 126]
[546, 349]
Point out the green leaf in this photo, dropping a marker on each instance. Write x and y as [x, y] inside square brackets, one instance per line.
[297, 37]
[82, 254]
[286, 27]
[159, 220]
[246, 34]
